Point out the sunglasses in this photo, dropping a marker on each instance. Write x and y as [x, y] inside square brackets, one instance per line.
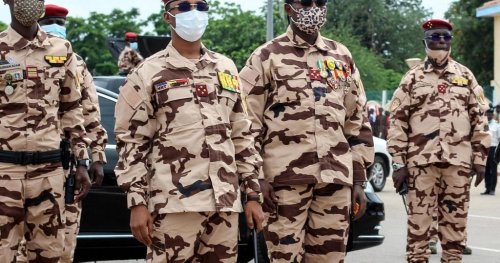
[308, 3]
[438, 37]
[186, 7]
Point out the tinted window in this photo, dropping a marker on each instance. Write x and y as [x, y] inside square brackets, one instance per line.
[108, 117]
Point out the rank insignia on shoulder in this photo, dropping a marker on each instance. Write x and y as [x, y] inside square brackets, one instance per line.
[161, 86]
[31, 72]
[229, 82]
[56, 61]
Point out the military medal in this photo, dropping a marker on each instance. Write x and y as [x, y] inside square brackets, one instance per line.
[31, 72]
[9, 90]
[348, 70]
[323, 72]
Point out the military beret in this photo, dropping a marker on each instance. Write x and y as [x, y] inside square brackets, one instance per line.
[130, 35]
[55, 11]
[436, 23]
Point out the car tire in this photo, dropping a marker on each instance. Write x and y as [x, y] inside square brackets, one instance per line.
[378, 173]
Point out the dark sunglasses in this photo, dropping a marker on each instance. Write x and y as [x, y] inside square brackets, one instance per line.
[438, 37]
[186, 7]
[308, 3]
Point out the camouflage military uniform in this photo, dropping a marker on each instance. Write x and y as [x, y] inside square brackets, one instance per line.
[128, 60]
[314, 138]
[39, 94]
[184, 146]
[438, 130]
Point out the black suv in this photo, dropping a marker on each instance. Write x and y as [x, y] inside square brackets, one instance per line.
[105, 232]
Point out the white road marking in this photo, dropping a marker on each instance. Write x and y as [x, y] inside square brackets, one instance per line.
[486, 217]
[486, 249]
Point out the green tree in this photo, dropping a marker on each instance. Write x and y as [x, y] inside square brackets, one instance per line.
[89, 37]
[473, 39]
[2, 26]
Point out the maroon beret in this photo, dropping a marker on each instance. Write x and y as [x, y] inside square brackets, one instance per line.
[436, 23]
[130, 35]
[55, 11]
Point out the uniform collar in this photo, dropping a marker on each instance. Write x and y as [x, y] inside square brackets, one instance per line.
[176, 60]
[298, 42]
[452, 66]
[18, 42]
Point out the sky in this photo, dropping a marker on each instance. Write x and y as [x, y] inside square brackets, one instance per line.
[83, 8]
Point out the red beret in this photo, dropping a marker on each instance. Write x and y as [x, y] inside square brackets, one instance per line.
[130, 35]
[55, 11]
[436, 23]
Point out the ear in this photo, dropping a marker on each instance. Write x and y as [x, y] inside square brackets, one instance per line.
[168, 18]
[288, 9]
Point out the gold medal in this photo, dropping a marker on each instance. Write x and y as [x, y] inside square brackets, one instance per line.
[9, 90]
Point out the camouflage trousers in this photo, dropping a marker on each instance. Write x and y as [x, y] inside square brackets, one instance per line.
[32, 208]
[207, 237]
[443, 188]
[311, 224]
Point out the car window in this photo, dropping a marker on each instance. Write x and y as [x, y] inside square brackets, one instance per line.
[107, 105]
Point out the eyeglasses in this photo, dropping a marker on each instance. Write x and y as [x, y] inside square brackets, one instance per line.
[438, 37]
[186, 6]
[308, 3]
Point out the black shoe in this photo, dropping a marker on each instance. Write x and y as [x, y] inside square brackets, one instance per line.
[486, 193]
[491, 193]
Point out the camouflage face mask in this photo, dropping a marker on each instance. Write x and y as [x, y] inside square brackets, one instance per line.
[310, 20]
[27, 12]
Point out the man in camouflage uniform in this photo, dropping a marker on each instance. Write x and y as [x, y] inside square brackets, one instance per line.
[129, 58]
[306, 102]
[438, 139]
[185, 146]
[53, 23]
[39, 93]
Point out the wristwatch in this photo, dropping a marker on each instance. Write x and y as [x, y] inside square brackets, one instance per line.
[361, 183]
[84, 163]
[257, 197]
[397, 166]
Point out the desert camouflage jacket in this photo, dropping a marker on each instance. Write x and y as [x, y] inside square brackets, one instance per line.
[128, 60]
[438, 116]
[92, 115]
[39, 97]
[183, 135]
[306, 103]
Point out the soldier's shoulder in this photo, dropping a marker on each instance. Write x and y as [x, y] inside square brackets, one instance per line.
[57, 40]
[462, 69]
[273, 45]
[222, 59]
[337, 46]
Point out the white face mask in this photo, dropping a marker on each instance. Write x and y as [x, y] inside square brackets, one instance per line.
[440, 57]
[191, 25]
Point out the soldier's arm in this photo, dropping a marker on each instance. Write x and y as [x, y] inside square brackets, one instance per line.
[255, 92]
[92, 115]
[134, 130]
[480, 136]
[397, 137]
[71, 110]
[357, 129]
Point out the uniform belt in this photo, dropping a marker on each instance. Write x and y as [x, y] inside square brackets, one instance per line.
[25, 158]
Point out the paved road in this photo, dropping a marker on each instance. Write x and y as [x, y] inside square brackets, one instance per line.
[483, 231]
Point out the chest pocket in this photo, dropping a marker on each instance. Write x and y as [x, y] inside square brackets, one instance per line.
[423, 97]
[177, 105]
[52, 80]
[291, 84]
[459, 97]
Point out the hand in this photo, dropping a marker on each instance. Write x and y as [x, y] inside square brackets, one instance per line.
[83, 185]
[399, 177]
[270, 199]
[359, 197]
[254, 214]
[479, 171]
[96, 172]
[141, 224]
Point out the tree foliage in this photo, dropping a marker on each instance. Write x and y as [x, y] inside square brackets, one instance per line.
[2, 26]
[473, 39]
[89, 36]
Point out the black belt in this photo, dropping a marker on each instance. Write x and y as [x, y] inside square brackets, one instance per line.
[25, 158]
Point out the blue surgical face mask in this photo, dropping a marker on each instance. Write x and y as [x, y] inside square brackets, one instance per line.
[55, 29]
[134, 45]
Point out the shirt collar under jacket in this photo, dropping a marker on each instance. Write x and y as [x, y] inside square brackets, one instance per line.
[176, 60]
[301, 43]
[18, 42]
[451, 68]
